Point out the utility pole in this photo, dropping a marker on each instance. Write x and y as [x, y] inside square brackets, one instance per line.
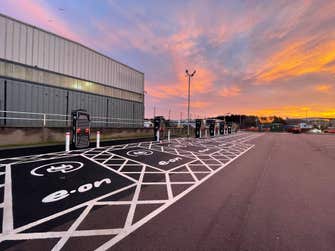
[169, 114]
[188, 105]
[154, 111]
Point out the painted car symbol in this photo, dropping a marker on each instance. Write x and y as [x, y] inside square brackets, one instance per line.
[139, 152]
[62, 167]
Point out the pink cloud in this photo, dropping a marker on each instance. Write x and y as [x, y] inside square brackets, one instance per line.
[35, 12]
[230, 91]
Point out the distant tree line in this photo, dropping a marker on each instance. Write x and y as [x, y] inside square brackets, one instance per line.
[248, 120]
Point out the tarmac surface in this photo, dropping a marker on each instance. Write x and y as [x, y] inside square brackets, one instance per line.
[246, 191]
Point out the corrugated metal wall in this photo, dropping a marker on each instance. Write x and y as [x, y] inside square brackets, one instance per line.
[2, 100]
[29, 45]
[34, 98]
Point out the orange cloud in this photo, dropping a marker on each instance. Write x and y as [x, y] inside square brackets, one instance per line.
[202, 82]
[297, 111]
[197, 104]
[323, 88]
[297, 59]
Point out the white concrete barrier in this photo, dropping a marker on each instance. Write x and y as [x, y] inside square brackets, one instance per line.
[98, 139]
[67, 141]
[157, 135]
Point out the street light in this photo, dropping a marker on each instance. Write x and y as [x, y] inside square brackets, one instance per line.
[188, 106]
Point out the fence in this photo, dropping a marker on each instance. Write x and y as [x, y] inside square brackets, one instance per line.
[33, 119]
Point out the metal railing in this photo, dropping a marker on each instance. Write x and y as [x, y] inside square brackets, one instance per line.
[46, 119]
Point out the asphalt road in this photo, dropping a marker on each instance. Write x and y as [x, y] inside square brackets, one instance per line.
[278, 196]
[245, 192]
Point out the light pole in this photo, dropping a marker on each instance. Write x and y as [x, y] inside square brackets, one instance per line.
[188, 105]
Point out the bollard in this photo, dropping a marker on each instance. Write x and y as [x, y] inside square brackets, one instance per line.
[44, 120]
[169, 136]
[67, 141]
[206, 133]
[157, 134]
[98, 139]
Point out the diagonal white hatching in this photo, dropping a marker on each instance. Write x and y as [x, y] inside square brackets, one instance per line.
[228, 147]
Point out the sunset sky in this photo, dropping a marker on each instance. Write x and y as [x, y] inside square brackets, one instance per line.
[251, 57]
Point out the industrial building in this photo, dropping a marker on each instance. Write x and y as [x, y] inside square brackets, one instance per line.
[43, 77]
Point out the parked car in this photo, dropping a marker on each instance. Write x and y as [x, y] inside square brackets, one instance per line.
[330, 130]
[314, 130]
[296, 129]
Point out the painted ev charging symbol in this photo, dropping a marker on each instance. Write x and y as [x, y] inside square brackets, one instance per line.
[63, 167]
[139, 152]
[39, 191]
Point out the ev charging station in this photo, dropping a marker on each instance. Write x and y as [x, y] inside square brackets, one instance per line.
[198, 128]
[229, 128]
[221, 128]
[159, 126]
[211, 123]
[80, 129]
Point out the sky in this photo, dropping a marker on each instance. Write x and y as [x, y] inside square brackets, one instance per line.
[252, 57]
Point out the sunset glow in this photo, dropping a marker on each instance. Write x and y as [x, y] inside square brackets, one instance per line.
[251, 57]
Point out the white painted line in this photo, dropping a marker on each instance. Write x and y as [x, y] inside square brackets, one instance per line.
[191, 172]
[77, 233]
[73, 227]
[7, 221]
[124, 163]
[168, 186]
[131, 212]
[144, 220]
[111, 169]
[110, 203]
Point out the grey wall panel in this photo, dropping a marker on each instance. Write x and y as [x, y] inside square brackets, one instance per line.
[74, 56]
[2, 36]
[63, 56]
[66, 59]
[51, 65]
[57, 54]
[16, 42]
[46, 52]
[22, 44]
[40, 48]
[28, 97]
[71, 55]
[2, 101]
[9, 40]
[35, 47]
[79, 66]
[29, 46]
[86, 64]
